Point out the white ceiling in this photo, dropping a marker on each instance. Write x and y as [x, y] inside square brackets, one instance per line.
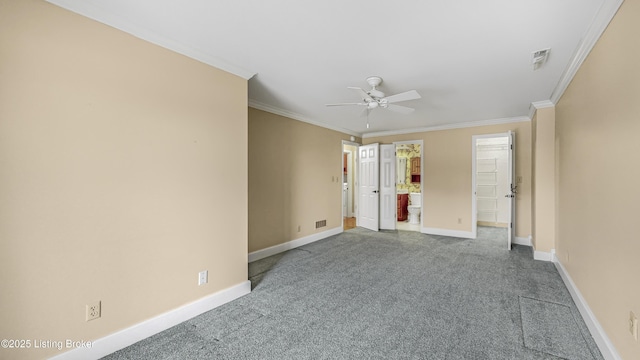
[470, 60]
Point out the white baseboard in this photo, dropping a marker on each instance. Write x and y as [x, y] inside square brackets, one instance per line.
[276, 249]
[602, 340]
[123, 338]
[447, 232]
[526, 241]
[544, 256]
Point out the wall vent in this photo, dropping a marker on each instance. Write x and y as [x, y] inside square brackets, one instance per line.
[321, 223]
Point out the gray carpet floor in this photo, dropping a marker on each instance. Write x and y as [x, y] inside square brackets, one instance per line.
[389, 295]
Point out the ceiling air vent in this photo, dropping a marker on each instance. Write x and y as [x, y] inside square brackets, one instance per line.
[539, 57]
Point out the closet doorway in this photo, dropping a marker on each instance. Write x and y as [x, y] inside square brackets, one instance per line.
[493, 182]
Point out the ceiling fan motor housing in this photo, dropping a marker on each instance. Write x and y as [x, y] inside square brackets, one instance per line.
[375, 81]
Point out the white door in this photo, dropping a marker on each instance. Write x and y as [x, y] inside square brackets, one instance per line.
[388, 198]
[368, 187]
[511, 228]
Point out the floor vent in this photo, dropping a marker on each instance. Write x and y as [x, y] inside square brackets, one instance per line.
[321, 223]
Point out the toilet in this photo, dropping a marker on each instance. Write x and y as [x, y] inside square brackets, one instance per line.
[414, 207]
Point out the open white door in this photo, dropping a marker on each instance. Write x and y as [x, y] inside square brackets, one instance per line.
[368, 190]
[388, 199]
[511, 229]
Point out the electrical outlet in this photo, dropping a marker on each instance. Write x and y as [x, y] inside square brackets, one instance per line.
[633, 325]
[93, 311]
[298, 228]
[203, 277]
[459, 220]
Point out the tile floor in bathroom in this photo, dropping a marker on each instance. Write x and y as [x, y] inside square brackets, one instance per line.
[350, 223]
[404, 225]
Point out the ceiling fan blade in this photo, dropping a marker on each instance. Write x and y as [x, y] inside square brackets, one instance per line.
[400, 109]
[363, 94]
[345, 104]
[405, 96]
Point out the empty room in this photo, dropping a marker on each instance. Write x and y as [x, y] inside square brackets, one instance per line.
[306, 180]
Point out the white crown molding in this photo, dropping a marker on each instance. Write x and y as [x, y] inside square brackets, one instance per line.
[448, 126]
[537, 105]
[542, 104]
[598, 25]
[102, 16]
[290, 114]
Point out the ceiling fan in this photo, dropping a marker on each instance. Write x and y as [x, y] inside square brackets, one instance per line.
[375, 98]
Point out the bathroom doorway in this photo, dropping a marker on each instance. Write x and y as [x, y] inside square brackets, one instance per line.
[409, 174]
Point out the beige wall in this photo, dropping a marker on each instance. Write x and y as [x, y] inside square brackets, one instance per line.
[117, 179]
[295, 179]
[544, 185]
[447, 174]
[597, 124]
